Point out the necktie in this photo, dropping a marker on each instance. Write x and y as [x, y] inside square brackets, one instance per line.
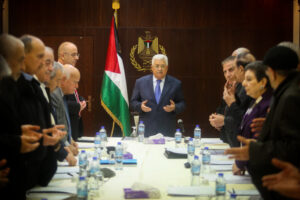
[157, 91]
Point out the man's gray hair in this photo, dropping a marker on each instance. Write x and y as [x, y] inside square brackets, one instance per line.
[160, 57]
[56, 66]
[292, 46]
[240, 50]
[4, 68]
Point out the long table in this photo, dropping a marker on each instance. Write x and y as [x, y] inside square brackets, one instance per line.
[152, 168]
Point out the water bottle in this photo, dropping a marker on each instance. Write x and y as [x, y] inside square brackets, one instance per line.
[119, 156]
[220, 185]
[94, 179]
[82, 193]
[178, 136]
[82, 163]
[197, 136]
[191, 150]
[97, 141]
[195, 170]
[103, 136]
[206, 156]
[141, 131]
[97, 146]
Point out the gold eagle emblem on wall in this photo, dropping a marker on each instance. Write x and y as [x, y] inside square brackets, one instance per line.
[146, 48]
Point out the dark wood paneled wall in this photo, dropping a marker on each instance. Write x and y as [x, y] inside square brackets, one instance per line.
[197, 35]
[1, 16]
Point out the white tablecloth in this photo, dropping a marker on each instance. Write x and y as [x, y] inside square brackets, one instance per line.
[153, 169]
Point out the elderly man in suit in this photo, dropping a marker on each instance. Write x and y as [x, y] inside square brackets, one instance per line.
[158, 98]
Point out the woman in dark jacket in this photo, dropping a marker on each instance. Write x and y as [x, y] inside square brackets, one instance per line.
[257, 86]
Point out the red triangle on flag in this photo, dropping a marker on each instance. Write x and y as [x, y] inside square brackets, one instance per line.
[112, 63]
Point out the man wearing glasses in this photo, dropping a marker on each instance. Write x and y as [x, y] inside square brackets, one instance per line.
[158, 98]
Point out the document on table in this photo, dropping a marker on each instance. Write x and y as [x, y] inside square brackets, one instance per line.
[221, 168]
[64, 176]
[230, 178]
[85, 145]
[221, 160]
[65, 170]
[247, 192]
[211, 141]
[86, 139]
[68, 190]
[191, 191]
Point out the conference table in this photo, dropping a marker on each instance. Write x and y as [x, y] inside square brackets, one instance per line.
[153, 168]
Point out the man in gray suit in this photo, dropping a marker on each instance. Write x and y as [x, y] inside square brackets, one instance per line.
[69, 84]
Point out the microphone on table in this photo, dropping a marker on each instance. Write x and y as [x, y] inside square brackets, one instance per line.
[180, 124]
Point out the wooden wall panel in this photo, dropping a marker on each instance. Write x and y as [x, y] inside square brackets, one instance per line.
[197, 35]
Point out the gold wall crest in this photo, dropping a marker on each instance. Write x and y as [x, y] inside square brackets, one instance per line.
[146, 48]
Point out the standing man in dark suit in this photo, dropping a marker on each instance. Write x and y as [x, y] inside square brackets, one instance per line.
[280, 136]
[158, 98]
[68, 54]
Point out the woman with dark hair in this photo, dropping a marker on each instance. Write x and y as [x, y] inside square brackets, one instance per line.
[257, 86]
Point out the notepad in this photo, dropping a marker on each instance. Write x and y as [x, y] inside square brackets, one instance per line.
[211, 141]
[191, 191]
[65, 170]
[247, 192]
[85, 145]
[125, 162]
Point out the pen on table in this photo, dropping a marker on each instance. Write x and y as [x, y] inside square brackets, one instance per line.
[70, 174]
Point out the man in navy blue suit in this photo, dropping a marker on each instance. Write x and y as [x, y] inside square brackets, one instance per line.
[158, 98]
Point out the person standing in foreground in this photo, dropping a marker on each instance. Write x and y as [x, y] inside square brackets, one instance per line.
[158, 98]
[280, 136]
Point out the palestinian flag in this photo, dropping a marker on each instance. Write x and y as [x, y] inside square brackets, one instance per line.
[114, 96]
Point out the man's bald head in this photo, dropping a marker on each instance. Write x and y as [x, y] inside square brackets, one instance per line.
[12, 49]
[68, 53]
[34, 53]
[70, 79]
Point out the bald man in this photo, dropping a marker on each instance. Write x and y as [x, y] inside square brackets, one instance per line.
[34, 109]
[18, 139]
[68, 54]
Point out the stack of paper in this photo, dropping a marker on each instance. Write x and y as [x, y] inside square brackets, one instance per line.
[191, 191]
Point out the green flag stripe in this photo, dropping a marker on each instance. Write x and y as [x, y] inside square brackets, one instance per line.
[115, 104]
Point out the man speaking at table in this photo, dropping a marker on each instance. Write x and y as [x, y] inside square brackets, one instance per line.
[158, 98]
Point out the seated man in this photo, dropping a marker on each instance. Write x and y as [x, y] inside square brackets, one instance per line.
[69, 83]
[158, 98]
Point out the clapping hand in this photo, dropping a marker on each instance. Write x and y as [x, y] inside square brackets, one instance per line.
[240, 153]
[286, 182]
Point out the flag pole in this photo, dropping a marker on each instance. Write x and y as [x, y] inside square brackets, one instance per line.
[116, 7]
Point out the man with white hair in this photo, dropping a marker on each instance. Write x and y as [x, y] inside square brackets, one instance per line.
[69, 83]
[158, 98]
